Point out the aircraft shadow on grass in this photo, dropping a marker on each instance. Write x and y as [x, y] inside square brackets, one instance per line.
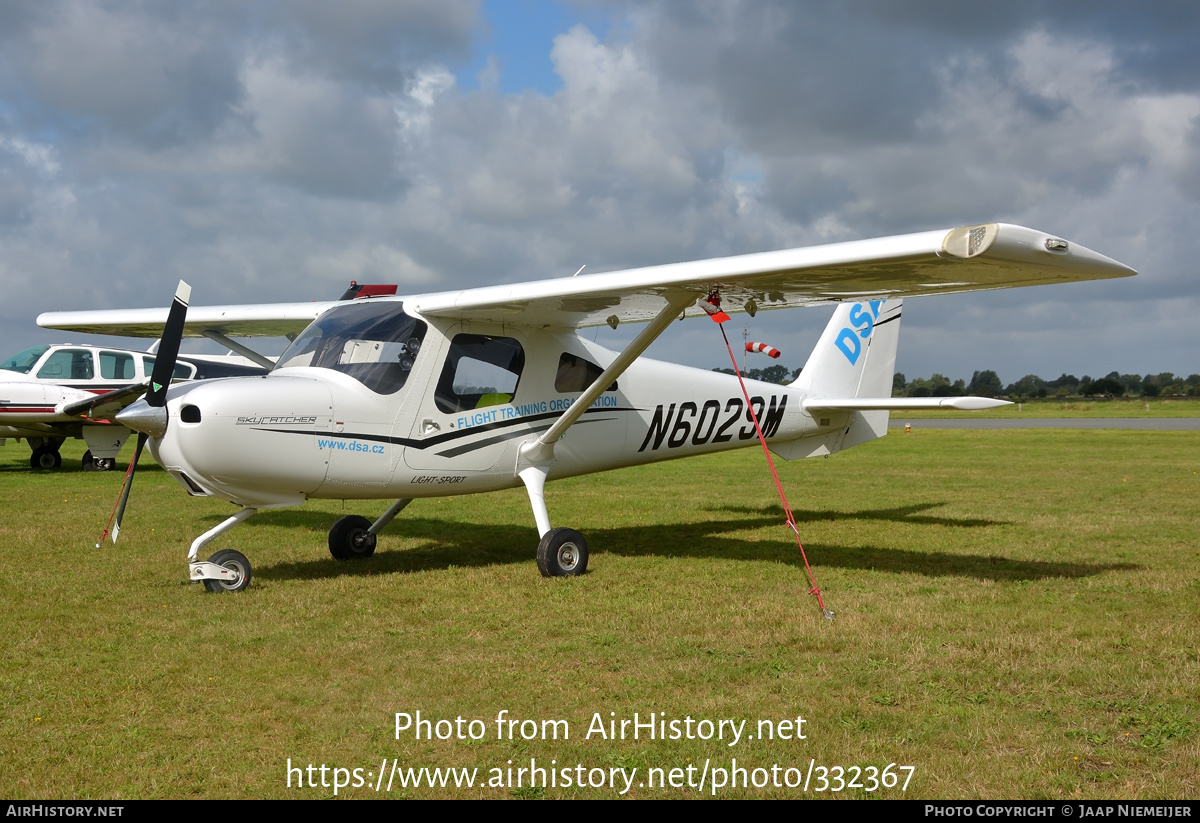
[446, 544]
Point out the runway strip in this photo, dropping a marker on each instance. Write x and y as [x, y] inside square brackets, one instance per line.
[1141, 423]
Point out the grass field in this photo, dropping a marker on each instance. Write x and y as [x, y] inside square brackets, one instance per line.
[1018, 616]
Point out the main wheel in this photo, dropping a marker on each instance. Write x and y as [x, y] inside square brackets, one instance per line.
[562, 553]
[349, 539]
[236, 561]
[45, 457]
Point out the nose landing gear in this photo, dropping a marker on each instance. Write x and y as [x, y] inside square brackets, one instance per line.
[225, 571]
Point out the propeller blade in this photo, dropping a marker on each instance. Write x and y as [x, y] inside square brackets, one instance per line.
[168, 349]
[114, 520]
[156, 397]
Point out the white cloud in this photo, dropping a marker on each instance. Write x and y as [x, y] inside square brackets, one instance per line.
[278, 155]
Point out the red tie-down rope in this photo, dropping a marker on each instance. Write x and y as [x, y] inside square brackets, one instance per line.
[713, 306]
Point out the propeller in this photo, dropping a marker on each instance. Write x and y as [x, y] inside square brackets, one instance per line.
[148, 416]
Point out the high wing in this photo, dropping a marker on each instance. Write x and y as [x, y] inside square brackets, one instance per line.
[252, 320]
[968, 258]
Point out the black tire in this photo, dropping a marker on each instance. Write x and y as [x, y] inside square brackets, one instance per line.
[230, 559]
[350, 540]
[45, 457]
[562, 553]
[97, 464]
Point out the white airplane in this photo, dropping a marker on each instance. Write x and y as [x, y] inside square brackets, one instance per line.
[470, 391]
[50, 393]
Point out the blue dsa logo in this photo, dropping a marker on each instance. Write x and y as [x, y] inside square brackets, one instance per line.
[862, 322]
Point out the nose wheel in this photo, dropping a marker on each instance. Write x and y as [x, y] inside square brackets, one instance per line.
[225, 571]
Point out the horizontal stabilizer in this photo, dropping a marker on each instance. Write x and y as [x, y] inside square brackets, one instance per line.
[903, 403]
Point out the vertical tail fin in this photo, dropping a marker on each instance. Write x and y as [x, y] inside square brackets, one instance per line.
[856, 355]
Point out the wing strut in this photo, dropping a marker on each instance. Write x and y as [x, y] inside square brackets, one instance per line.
[536, 456]
[244, 351]
[542, 450]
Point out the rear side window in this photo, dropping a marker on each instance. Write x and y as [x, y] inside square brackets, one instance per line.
[182, 371]
[480, 371]
[576, 373]
[116, 366]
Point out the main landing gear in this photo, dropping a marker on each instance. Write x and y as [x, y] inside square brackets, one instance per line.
[561, 552]
[45, 457]
[353, 537]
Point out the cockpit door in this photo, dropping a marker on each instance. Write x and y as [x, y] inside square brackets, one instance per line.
[468, 419]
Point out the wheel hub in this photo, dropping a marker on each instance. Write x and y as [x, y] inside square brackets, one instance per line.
[568, 556]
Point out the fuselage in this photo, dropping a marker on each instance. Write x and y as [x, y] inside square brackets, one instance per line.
[443, 408]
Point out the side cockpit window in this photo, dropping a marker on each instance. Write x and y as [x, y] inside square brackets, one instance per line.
[375, 343]
[480, 371]
[576, 373]
[68, 364]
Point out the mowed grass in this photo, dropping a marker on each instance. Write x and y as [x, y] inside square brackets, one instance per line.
[1018, 616]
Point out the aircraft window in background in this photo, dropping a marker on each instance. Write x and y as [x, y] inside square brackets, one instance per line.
[69, 364]
[575, 374]
[480, 371]
[375, 343]
[24, 361]
[182, 371]
[116, 366]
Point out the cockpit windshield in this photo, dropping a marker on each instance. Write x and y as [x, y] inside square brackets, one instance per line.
[24, 361]
[376, 343]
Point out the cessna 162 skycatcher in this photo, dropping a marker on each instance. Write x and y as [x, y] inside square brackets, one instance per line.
[470, 391]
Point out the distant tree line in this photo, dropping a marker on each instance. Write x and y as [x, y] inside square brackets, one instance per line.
[987, 383]
[771, 374]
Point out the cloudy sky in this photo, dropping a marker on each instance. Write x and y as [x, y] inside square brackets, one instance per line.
[276, 150]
